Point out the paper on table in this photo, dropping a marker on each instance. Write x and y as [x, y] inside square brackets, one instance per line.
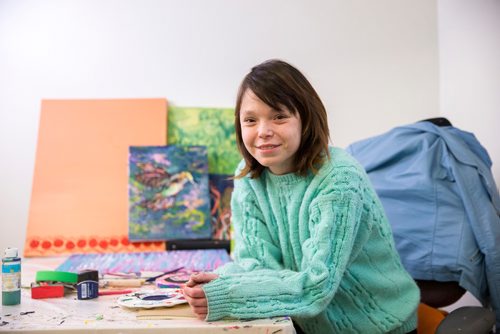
[177, 312]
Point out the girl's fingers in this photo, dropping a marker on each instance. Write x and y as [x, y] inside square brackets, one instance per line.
[193, 292]
[201, 278]
[197, 302]
[196, 298]
[201, 312]
[190, 283]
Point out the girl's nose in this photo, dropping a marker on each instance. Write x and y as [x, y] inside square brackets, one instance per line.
[265, 130]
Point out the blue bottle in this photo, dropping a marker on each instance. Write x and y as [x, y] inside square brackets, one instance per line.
[11, 277]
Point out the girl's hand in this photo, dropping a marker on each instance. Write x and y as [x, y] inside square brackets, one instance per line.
[195, 295]
[201, 278]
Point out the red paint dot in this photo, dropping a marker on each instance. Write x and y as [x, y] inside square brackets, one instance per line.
[70, 245]
[113, 242]
[103, 244]
[158, 243]
[92, 243]
[46, 244]
[34, 243]
[81, 243]
[58, 243]
[137, 244]
[125, 241]
[147, 243]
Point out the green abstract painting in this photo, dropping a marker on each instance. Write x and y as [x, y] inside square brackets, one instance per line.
[210, 127]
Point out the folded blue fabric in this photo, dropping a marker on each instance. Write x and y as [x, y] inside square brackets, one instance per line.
[436, 186]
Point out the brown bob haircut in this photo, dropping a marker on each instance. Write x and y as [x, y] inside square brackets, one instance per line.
[279, 84]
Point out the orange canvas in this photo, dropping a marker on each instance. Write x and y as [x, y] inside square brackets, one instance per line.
[79, 200]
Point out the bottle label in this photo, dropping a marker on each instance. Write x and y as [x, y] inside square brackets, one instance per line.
[11, 277]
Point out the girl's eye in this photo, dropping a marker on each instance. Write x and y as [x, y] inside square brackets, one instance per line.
[281, 116]
[248, 120]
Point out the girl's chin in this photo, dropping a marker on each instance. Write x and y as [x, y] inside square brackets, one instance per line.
[276, 169]
[265, 162]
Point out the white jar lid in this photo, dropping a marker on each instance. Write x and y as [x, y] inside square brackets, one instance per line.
[11, 252]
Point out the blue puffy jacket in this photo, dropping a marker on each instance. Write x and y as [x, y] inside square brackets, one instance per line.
[436, 186]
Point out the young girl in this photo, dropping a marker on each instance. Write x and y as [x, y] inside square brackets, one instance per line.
[312, 239]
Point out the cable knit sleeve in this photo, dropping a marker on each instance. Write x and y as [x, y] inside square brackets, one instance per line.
[332, 221]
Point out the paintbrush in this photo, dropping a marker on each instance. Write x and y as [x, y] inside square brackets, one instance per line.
[152, 279]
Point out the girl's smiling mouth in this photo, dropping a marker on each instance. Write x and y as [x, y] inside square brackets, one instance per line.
[267, 147]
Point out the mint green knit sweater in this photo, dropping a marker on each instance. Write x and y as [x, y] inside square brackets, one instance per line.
[316, 248]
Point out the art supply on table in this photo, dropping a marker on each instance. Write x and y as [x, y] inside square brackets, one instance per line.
[88, 284]
[121, 275]
[11, 277]
[52, 283]
[114, 292]
[44, 290]
[132, 280]
[124, 283]
[153, 278]
[152, 298]
[56, 276]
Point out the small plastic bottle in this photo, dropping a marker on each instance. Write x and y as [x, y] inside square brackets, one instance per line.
[11, 277]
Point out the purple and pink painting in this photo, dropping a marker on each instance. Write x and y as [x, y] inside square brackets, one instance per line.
[188, 260]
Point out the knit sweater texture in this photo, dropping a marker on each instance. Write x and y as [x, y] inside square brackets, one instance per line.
[317, 248]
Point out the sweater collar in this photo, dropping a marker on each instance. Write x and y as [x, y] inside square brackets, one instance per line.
[289, 178]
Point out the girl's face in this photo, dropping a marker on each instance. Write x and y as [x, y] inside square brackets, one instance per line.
[271, 136]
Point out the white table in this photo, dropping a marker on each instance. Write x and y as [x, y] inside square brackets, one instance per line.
[104, 315]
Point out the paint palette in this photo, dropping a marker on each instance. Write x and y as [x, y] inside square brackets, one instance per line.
[152, 298]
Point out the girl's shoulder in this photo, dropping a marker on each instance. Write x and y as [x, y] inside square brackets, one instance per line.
[340, 171]
[341, 161]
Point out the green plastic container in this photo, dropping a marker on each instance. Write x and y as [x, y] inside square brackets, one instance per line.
[11, 277]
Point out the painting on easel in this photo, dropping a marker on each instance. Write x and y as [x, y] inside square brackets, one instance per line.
[214, 128]
[168, 193]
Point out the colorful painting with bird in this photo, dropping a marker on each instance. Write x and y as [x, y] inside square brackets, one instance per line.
[169, 196]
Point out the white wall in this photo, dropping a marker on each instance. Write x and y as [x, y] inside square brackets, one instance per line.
[374, 63]
[469, 71]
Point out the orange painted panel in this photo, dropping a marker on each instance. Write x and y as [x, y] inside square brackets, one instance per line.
[79, 200]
